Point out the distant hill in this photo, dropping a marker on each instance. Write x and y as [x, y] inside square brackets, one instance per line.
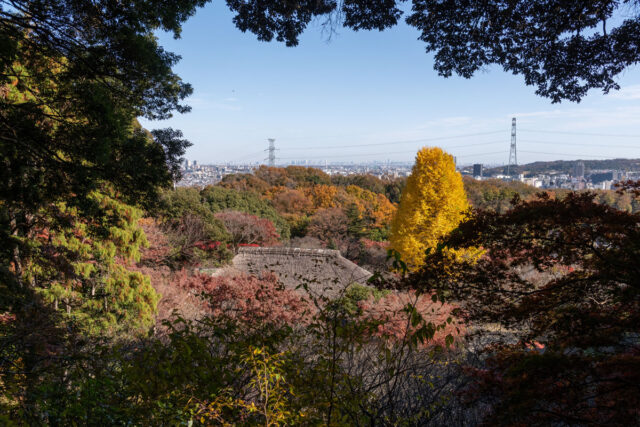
[566, 166]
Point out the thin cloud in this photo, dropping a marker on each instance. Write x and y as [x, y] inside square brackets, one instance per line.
[627, 93]
[446, 122]
[580, 119]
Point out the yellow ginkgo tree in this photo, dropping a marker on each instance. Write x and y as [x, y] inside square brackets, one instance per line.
[432, 204]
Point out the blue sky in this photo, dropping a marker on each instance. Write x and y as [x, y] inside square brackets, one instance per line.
[324, 98]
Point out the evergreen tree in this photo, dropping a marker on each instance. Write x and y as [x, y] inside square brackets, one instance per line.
[80, 266]
[220, 199]
[432, 205]
[356, 221]
[74, 76]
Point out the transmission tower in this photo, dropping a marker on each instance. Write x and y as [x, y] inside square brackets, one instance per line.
[272, 152]
[513, 155]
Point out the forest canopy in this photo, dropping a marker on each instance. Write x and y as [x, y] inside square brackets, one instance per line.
[565, 48]
[110, 312]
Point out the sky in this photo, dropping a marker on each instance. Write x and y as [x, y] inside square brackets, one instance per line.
[365, 96]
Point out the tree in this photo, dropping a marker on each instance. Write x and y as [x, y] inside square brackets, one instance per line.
[433, 203]
[367, 182]
[222, 199]
[495, 194]
[274, 176]
[244, 182]
[303, 176]
[356, 226]
[190, 231]
[393, 189]
[188, 221]
[291, 202]
[322, 196]
[391, 311]
[561, 277]
[81, 268]
[248, 229]
[329, 225]
[74, 76]
[564, 58]
[175, 204]
[255, 301]
[377, 211]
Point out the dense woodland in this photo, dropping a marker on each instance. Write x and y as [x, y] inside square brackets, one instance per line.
[567, 166]
[493, 303]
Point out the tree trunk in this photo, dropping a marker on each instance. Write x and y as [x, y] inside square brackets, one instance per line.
[17, 262]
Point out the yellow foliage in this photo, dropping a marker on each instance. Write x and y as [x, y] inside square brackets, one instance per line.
[433, 203]
[322, 196]
[270, 405]
[373, 206]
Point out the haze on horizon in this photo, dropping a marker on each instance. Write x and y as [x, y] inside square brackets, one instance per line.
[364, 96]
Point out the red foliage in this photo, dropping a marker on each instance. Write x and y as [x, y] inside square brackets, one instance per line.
[292, 202]
[173, 296]
[207, 245]
[372, 244]
[331, 227]
[6, 318]
[390, 311]
[249, 299]
[248, 229]
[559, 273]
[159, 248]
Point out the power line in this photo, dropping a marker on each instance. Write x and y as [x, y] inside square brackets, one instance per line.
[480, 144]
[578, 144]
[246, 156]
[612, 135]
[394, 152]
[413, 141]
[562, 154]
[482, 154]
[451, 137]
[376, 154]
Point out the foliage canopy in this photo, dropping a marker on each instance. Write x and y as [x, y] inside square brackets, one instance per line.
[564, 48]
[561, 276]
[432, 204]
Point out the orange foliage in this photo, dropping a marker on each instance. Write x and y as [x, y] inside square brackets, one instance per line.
[291, 202]
[322, 196]
[373, 206]
[272, 175]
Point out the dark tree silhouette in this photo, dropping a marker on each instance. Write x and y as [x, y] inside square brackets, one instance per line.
[563, 47]
[562, 277]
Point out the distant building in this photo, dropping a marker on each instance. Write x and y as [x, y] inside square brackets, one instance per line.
[477, 170]
[578, 170]
[597, 178]
[604, 185]
[534, 182]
